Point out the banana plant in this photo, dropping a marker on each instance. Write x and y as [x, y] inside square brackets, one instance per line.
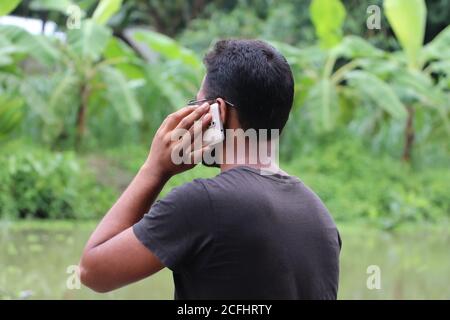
[346, 74]
[75, 71]
[7, 6]
[11, 106]
[179, 71]
[11, 113]
[419, 83]
[323, 83]
[86, 56]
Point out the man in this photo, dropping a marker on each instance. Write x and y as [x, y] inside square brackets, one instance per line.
[240, 235]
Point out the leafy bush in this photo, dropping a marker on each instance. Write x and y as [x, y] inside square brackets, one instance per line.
[356, 184]
[130, 159]
[36, 183]
[287, 22]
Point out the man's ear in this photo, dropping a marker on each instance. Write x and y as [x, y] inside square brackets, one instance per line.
[222, 110]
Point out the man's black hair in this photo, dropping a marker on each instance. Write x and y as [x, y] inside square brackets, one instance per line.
[255, 77]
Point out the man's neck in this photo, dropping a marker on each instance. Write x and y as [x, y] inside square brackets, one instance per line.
[268, 164]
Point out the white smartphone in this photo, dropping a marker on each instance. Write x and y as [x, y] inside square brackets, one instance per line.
[214, 134]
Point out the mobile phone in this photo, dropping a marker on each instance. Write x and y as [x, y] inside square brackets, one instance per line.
[214, 134]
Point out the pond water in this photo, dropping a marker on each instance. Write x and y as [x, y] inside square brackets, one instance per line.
[413, 264]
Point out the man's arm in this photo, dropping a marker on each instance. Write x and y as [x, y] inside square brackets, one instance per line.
[113, 256]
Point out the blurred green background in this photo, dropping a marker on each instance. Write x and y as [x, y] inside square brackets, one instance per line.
[85, 84]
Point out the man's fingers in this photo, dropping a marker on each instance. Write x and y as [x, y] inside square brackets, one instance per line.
[197, 155]
[191, 142]
[199, 128]
[196, 131]
[188, 120]
[173, 119]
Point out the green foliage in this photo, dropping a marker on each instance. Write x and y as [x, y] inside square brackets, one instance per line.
[334, 84]
[407, 18]
[178, 71]
[168, 48]
[330, 82]
[322, 103]
[328, 17]
[55, 5]
[119, 94]
[113, 87]
[129, 159]
[11, 114]
[37, 46]
[202, 33]
[287, 21]
[61, 90]
[378, 91]
[88, 42]
[356, 184]
[6, 6]
[36, 183]
[105, 10]
[439, 47]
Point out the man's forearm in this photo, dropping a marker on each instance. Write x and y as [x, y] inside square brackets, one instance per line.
[135, 201]
[113, 256]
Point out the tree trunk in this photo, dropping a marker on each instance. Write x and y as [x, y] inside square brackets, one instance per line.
[81, 115]
[409, 135]
[44, 18]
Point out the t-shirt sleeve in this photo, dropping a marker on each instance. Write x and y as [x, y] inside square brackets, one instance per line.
[177, 226]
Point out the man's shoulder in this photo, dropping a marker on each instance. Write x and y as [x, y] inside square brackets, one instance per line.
[228, 182]
[189, 191]
[201, 189]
